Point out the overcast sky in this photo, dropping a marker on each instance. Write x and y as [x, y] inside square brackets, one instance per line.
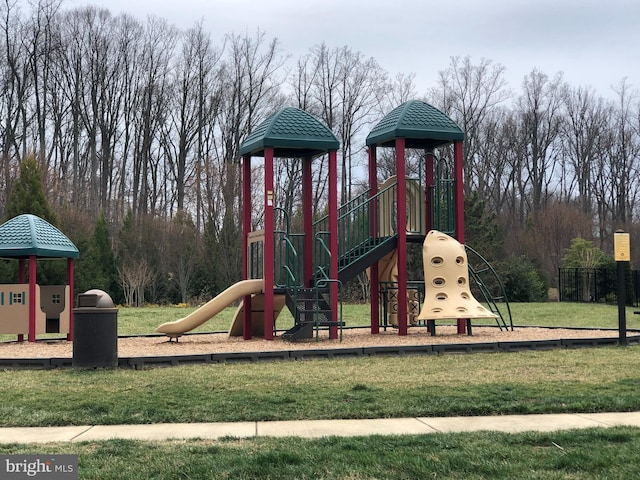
[594, 43]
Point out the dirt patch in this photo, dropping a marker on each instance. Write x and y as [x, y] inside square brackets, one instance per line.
[220, 342]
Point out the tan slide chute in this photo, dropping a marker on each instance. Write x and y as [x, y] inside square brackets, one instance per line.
[211, 308]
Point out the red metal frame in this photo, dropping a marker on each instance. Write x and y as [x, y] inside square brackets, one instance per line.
[269, 260]
[401, 222]
[374, 285]
[333, 236]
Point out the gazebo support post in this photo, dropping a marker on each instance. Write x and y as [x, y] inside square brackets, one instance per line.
[21, 280]
[70, 265]
[32, 298]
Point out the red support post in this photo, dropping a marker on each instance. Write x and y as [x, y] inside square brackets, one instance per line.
[459, 209]
[21, 280]
[32, 298]
[247, 332]
[70, 265]
[333, 237]
[269, 260]
[401, 222]
[374, 285]
[307, 208]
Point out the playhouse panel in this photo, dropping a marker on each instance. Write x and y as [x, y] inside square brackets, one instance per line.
[14, 309]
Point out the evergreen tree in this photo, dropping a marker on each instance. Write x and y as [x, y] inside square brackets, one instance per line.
[27, 193]
[481, 229]
[96, 267]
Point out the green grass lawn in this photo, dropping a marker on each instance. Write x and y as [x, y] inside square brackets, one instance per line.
[583, 380]
[583, 454]
[143, 321]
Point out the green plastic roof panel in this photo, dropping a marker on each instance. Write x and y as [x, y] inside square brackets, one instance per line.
[291, 132]
[27, 235]
[420, 124]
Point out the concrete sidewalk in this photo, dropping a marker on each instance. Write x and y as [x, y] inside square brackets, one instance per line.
[319, 428]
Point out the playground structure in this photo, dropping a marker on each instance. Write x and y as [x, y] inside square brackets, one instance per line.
[29, 308]
[306, 270]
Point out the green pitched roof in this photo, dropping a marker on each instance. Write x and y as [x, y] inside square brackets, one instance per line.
[27, 235]
[420, 124]
[291, 132]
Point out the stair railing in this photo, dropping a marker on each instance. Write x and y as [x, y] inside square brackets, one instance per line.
[355, 237]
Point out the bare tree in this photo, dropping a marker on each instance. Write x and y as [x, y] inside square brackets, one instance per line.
[41, 46]
[586, 121]
[15, 84]
[361, 91]
[154, 87]
[469, 94]
[187, 113]
[539, 111]
[250, 91]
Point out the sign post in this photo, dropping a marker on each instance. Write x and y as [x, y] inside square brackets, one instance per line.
[622, 254]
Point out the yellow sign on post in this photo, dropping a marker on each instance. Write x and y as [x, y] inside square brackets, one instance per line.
[621, 247]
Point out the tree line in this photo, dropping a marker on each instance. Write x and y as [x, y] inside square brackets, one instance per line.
[136, 126]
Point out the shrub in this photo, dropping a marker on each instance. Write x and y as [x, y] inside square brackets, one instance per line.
[523, 282]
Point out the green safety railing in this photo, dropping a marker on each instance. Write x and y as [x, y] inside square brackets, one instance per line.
[322, 255]
[443, 200]
[256, 259]
[287, 264]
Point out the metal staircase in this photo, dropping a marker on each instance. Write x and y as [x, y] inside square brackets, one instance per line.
[311, 311]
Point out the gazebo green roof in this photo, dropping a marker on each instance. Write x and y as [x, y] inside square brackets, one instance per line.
[291, 132]
[420, 124]
[27, 235]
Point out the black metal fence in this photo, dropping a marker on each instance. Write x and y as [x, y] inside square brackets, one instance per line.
[597, 285]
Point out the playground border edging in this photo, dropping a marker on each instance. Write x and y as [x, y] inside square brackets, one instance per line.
[138, 363]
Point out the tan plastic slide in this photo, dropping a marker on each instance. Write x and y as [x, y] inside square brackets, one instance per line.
[211, 308]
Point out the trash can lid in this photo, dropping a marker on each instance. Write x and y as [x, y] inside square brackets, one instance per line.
[95, 298]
